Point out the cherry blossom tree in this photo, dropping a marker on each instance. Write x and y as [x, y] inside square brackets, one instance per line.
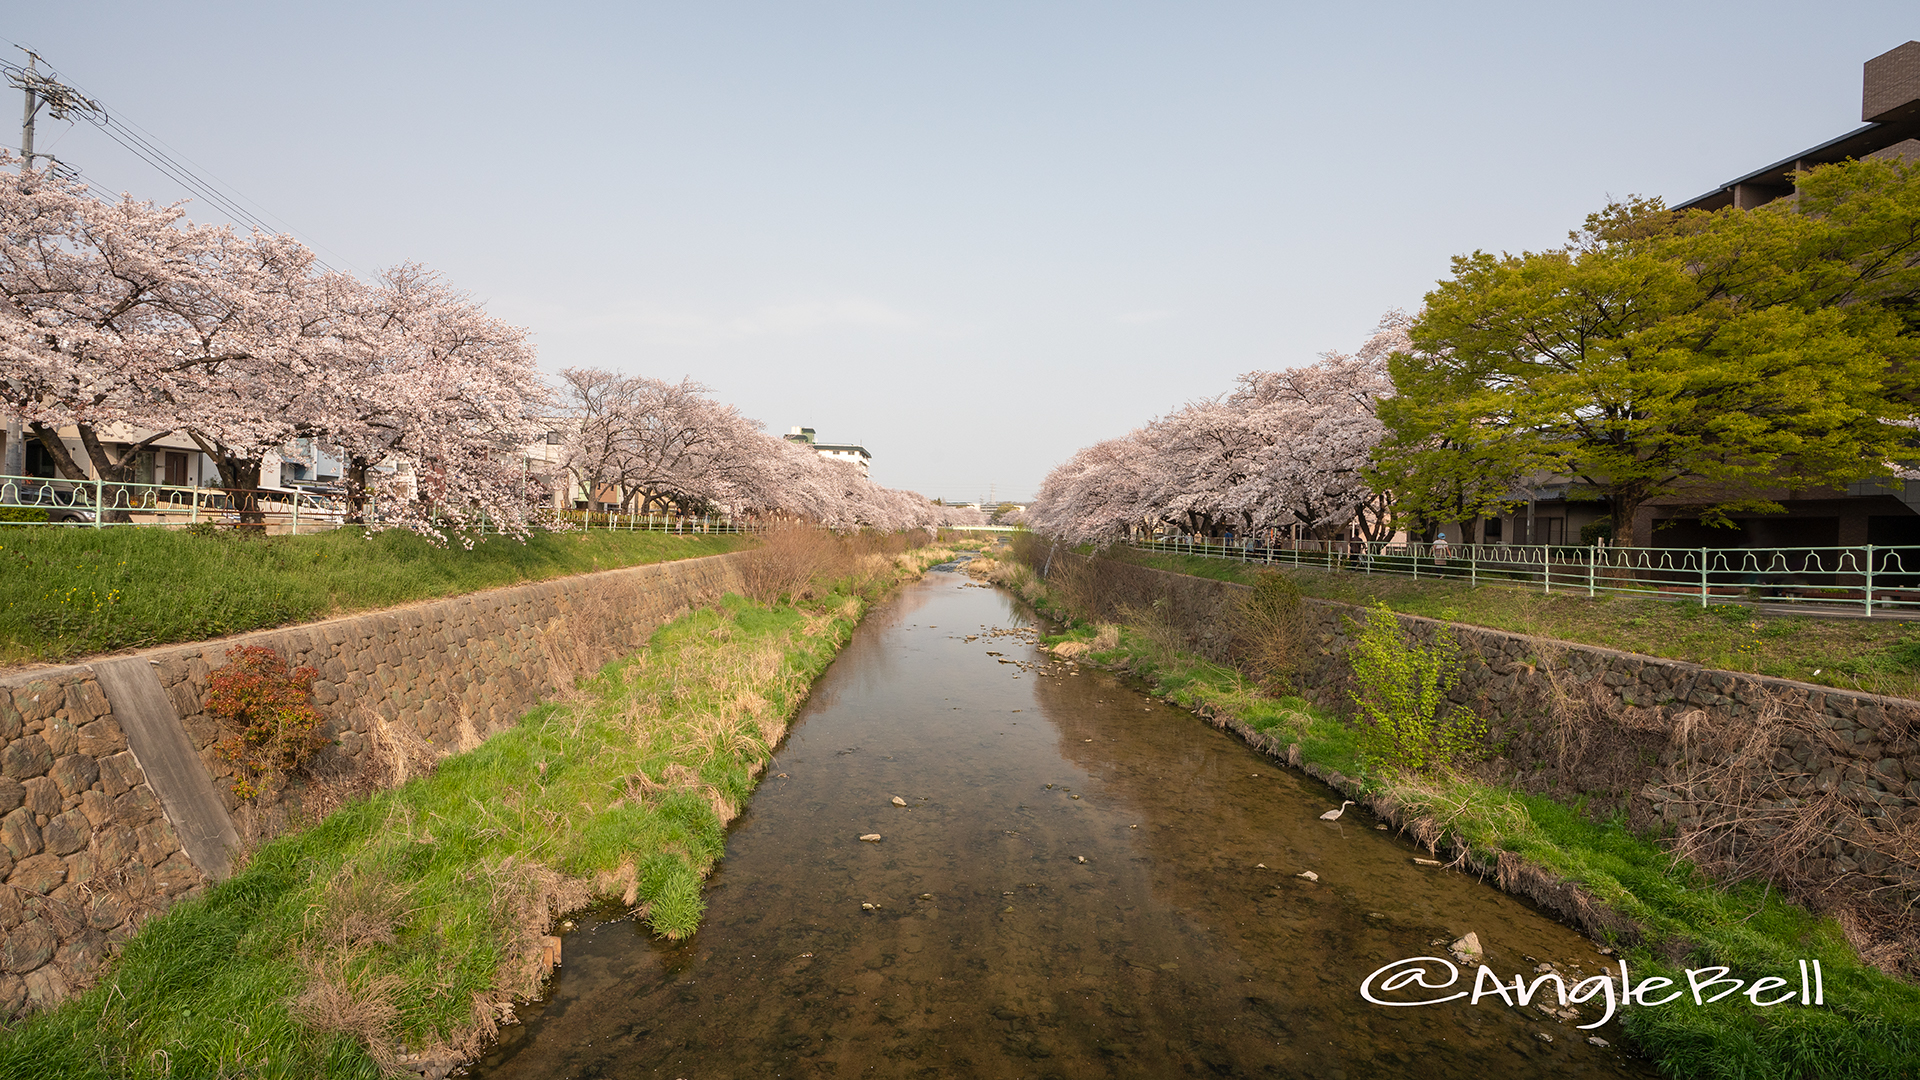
[97, 299]
[1286, 448]
[124, 314]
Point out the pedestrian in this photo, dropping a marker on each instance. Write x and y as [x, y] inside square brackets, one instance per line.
[1440, 547]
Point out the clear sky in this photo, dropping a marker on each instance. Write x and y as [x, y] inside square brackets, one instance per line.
[972, 236]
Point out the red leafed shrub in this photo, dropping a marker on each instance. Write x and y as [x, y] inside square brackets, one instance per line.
[273, 708]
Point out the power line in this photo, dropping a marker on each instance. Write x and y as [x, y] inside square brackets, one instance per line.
[63, 98]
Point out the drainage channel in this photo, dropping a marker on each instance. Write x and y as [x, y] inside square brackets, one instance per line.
[1082, 882]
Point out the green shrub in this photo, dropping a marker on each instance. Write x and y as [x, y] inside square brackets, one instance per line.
[22, 515]
[1407, 723]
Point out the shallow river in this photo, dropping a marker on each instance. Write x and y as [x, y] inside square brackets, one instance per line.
[1083, 883]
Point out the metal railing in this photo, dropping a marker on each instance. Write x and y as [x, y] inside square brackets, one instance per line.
[33, 500]
[1868, 579]
[687, 524]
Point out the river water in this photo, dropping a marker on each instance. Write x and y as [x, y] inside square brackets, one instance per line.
[1084, 883]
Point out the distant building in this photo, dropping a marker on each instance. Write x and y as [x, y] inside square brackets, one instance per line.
[849, 452]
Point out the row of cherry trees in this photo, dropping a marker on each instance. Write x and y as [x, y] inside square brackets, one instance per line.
[130, 323]
[1285, 449]
[651, 446]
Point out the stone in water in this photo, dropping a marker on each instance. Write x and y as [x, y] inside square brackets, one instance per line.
[898, 801]
[1308, 874]
[872, 838]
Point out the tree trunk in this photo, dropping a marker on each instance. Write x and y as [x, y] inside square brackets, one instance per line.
[240, 478]
[70, 469]
[1624, 506]
[114, 469]
[357, 491]
[56, 448]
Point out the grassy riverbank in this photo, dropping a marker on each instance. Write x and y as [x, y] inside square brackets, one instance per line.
[70, 592]
[1870, 1027]
[415, 916]
[1880, 656]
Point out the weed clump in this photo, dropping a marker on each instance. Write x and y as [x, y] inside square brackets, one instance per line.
[1272, 630]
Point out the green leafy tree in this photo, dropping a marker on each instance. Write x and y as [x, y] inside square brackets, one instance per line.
[1705, 356]
[1445, 463]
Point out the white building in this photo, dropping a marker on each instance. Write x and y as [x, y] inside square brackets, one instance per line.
[838, 451]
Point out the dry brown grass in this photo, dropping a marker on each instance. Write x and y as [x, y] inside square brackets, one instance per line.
[793, 561]
[1271, 632]
[527, 896]
[1752, 810]
[359, 1006]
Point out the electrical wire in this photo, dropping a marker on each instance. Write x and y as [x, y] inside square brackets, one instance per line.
[149, 148]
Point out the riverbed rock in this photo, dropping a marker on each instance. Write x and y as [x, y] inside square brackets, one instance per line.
[898, 801]
[1468, 947]
[1308, 874]
[871, 838]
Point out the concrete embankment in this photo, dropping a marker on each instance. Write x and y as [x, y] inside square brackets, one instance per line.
[114, 802]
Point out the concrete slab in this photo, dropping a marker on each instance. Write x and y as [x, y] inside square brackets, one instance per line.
[175, 772]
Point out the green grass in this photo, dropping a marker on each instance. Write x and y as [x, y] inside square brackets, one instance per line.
[421, 895]
[70, 592]
[1879, 656]
[1871, 1027]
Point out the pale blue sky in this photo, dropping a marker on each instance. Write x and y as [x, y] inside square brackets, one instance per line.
[974, 236]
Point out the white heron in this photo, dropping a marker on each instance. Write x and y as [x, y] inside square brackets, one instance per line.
[1334, 815]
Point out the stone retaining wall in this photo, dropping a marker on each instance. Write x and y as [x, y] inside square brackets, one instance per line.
[1818, 787]
[89, 848]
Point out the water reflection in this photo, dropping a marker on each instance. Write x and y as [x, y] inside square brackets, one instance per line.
[1083, 883]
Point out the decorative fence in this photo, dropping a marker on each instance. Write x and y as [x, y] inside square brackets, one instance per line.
[33, 500]
[598, 521]
[1868, 580]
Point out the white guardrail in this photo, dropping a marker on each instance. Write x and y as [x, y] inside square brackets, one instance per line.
[1867, 579]
[33, 500]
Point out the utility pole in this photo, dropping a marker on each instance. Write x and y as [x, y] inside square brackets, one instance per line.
[15, 462]
[26, 121]
[60, 99]
[43, 89]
